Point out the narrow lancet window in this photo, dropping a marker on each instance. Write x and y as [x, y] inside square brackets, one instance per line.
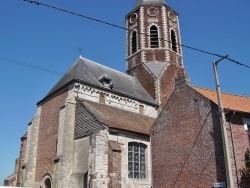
[173, 41]
[154, 41]
[134, 42]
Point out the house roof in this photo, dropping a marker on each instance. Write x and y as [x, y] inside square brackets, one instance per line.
[229, 101]
[111, 117]
[90, 72]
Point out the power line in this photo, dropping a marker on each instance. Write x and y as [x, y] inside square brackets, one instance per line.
[76, 14]
[123, 28]
[42, 69]
[31, 66]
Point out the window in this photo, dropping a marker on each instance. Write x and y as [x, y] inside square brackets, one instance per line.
[47, 183]
[246, 122]
[136, 160]
[134, 42]
[106, 81]
[173, 41]
[141, 109]
[154, 43]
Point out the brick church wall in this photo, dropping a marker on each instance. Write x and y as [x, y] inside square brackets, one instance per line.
[167, 84]
[48, 131]
[114, 166]
[147, 80]
[186, 142]
[241, 143]
[21, 160]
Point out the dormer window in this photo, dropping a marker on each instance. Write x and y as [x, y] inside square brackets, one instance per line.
[106, 81]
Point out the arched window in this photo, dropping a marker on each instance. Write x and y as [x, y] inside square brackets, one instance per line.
[173, 41]
[136, 160]
[47, 183]
[154, 42]
[134, 42]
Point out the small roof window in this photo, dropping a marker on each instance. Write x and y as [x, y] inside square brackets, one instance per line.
[105, 81]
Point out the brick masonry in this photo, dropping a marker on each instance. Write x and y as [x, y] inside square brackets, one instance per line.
[241, 143]
[165, 20]
[114, 167]
[21, 160]
[149, 84]
[166, 84]
[186, 142]
[48, 130]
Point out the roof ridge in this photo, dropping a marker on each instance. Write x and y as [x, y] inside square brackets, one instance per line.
[83, 58]
[221, 92]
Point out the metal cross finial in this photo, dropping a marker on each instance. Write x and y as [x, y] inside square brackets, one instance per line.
[80, 51]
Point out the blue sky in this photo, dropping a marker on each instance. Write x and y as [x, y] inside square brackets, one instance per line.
[48, 38]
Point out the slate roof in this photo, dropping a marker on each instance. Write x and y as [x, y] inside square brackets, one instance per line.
[24, 136]
[156, 68]
[95, 116]
[229, 101]
[89, 72]
[10, 177]
[144, 2]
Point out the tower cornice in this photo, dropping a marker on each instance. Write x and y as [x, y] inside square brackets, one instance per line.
[146, 2]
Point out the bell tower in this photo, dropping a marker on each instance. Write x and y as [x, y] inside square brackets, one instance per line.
[154, 53]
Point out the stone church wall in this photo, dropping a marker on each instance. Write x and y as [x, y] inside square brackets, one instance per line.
[29, 167]
[64, 159]
[79, 175]
[98, 160]
[123, 138]
[112, 99]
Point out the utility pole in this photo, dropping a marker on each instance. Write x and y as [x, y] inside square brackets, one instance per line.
[223, 127]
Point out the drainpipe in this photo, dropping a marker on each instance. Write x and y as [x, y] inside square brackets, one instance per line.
[233, 146]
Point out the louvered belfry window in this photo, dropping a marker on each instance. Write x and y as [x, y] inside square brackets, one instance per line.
[136, 160]
[154, 41]
[134, 42]
[173, 41]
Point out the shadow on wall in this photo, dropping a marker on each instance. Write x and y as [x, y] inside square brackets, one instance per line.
[218, 145]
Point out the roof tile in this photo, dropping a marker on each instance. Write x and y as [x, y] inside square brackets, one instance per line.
[119, 119]
[229, 101]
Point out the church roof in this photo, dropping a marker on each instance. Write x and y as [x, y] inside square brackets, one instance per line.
[156, 68]
[229, 101]
[89, 73]
[144, 2]
[91, 117]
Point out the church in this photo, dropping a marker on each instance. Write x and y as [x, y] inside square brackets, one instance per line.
[92, 128]
[95, 126]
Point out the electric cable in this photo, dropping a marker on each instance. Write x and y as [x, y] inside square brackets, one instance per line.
[31, 66]
[123, 28]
